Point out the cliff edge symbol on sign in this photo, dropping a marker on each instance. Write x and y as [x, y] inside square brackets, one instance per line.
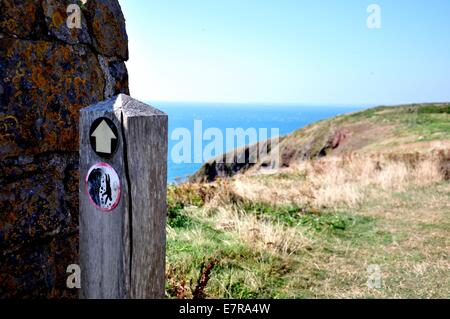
[104, 137]
[103, 187]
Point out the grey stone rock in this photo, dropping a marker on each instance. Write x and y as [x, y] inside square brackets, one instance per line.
[56, 16]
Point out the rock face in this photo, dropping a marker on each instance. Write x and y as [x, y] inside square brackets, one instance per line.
[48, 72]
[238, 161]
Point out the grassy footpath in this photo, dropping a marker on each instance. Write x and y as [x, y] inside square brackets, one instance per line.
[311, 231]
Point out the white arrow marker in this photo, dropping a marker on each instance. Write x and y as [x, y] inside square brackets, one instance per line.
[103, 136]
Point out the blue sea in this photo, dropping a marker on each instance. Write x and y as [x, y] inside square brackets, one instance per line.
[286, 118]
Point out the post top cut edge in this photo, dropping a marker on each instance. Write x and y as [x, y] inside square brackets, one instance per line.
[126, 104]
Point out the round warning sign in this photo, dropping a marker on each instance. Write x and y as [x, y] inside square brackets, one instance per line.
[103, 187]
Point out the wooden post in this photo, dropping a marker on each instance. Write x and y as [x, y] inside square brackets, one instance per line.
[123, 173]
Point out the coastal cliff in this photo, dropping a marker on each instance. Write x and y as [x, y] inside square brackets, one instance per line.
[386, 129]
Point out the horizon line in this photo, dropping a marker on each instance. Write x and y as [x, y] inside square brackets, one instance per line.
[255, 103]
[319, 104]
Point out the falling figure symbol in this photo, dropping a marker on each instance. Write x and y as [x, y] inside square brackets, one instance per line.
[108, 192]
[103, 187]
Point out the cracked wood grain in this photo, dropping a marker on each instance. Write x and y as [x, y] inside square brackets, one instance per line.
[122, 253]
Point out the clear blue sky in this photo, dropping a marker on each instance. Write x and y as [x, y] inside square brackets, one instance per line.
[288, 51]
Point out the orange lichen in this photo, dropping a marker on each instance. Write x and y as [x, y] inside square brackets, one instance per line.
[57, 18]
[79, 81]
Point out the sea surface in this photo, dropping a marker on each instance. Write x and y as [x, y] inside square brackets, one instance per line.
[286, 118]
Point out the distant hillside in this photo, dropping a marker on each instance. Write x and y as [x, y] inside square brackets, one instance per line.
[384, 129]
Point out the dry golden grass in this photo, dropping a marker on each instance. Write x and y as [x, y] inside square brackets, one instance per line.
[406, 199]
[260, 234]
[336, 181]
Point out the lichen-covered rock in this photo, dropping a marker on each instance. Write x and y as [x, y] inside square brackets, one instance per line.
[107, 27]
[44, 86]
[43, 188]
[21, 18]
[39, 271]
[55, 12]
[48, 72]
[116, 76]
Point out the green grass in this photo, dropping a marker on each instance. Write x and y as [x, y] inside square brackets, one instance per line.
[238, 267]
[243, 272]
[429, 121]
[342, 243]
[432, 126]
[435, 109]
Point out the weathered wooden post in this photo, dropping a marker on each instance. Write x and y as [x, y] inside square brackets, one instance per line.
[123, 172]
